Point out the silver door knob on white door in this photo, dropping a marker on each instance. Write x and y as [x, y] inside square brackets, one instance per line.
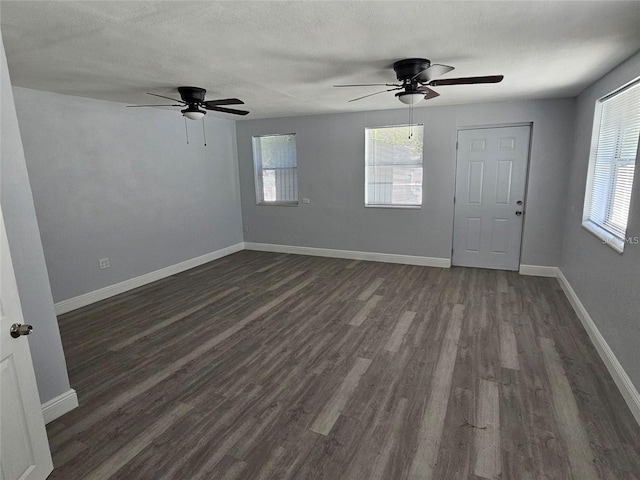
[18, 329]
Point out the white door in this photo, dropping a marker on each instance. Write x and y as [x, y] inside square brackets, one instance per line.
[24, 449]
[489, 204]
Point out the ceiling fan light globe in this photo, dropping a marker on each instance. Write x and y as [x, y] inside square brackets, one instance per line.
[193, 114]
[410, 98]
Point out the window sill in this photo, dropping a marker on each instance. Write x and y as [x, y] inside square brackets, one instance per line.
[607, 238]
[278, 204]
[401, 207]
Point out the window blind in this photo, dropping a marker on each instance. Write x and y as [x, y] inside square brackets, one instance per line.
[276, 168]
[393, 157]
[614, 160]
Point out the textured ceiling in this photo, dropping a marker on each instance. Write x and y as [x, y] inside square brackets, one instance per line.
[282, 58]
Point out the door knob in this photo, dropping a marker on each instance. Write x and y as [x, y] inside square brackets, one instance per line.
[17, 329]
[519, 212]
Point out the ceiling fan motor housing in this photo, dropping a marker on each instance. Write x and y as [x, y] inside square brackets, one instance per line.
[410, 67]
[192, 95]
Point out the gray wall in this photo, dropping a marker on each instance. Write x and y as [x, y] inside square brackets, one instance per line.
[607, 283]
[26, 252]
[122, 183]
[331, 173]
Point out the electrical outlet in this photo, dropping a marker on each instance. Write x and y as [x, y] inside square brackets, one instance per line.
[104, 263]
[246, 229]
[306, 200]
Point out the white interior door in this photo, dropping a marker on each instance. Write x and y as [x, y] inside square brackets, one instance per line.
[491, 176]
[24, 449]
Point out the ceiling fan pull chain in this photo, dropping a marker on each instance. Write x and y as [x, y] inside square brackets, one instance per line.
[186, 131]
[204, 135]
[410, 121]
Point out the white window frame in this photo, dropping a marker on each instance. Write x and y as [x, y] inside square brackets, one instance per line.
[258, 172]
[608, 237]
[367, 202]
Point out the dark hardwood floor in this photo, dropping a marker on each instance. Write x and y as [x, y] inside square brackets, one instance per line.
[274, 366]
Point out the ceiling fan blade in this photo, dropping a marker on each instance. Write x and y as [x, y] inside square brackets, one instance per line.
[223, 101]
[226, 110]
[467, 80]
[428, 93]
[178, 105]
[372, 94]
[433, 71]
[371, 85]
[168, 98]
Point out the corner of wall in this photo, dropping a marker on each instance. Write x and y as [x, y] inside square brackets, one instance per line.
[58, 406]
[28, 257]
[617, 372]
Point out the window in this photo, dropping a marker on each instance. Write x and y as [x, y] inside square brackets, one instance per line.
[276, 169]
[393, 175]
[614, 147]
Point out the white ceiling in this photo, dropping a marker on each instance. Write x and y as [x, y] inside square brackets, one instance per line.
[282, 58]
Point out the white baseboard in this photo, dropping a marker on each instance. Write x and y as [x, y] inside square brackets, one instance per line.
[620, 377]
[351, 254]
[91, 297]
[539, 271]
[58, 406]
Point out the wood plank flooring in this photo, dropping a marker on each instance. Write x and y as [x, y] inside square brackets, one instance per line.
[273, 366]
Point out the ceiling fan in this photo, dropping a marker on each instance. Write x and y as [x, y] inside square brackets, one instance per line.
[416, 75]
[193, 99]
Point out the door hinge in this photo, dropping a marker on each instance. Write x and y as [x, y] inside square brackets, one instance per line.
[456, 144]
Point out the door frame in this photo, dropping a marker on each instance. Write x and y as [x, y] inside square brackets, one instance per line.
[526, 178]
